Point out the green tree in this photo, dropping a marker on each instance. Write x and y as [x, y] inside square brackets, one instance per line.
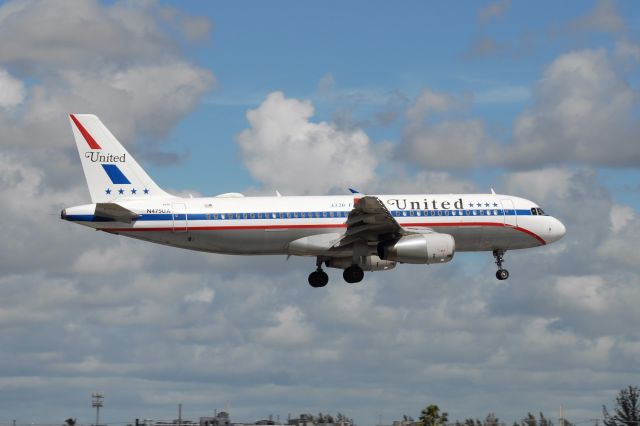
[431, 416]
[544, 421]
[530, 420]
[627, 409]
[491, 420]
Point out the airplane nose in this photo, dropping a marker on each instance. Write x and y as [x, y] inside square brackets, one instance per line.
[556, 230]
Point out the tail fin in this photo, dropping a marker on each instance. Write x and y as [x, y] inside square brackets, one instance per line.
[111, 172]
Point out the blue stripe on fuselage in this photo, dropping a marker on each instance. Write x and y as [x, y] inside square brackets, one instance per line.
[305, 215]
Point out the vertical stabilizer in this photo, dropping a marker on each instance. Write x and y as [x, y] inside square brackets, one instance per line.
[111, 172]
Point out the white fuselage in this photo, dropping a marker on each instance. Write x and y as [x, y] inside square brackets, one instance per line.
[267, 225]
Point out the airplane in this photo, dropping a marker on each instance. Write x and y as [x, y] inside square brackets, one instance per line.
[355, 232]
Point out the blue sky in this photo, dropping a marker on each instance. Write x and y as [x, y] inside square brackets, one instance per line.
[372, 49]
[536, 99]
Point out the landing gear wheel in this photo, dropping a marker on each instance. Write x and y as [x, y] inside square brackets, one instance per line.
[502, 274]
[318, 279]
[353, 274]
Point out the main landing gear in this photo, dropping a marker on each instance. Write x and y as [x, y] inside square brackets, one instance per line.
[353, 274]
[501, 274]
[319, 278]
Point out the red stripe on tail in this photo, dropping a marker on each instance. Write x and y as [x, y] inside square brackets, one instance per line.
[87, 136]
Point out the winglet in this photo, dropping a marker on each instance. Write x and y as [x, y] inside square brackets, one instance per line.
[354, 191]
[493, 192]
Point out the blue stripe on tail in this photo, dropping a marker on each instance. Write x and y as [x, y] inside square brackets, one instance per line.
[116, 176]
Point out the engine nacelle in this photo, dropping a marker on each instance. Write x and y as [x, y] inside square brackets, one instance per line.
[367, 263]
[419, 248]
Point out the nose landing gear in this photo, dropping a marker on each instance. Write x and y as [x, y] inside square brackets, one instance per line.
[501, 274]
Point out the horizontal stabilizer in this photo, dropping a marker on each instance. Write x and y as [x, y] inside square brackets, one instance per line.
[115, 212]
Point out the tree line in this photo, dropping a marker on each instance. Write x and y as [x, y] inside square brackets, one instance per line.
[626, 412]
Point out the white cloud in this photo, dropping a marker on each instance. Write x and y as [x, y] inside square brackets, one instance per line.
[41, 34]
[603, 17]
[448, 143]
[494, 10]
[283, 149]
[326, 84]
[430, 102]
[204, 295]
[620, 217]
[626, 50]
[12, 91]
[291, 328]
[82, 310]
[583, 112]
[195, 27]
[541, 184]
[503, 95]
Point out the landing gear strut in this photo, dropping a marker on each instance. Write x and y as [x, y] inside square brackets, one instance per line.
[501, 274]
[318, 278]
[353, 274]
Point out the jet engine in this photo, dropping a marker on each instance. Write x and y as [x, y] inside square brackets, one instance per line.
[419, 248]
[367, 263]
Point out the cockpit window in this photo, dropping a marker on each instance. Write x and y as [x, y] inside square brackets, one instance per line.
[540, 212]
[534, 211]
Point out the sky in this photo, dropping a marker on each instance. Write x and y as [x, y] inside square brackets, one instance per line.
[534, 99]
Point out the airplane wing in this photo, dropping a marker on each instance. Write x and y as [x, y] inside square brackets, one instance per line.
[115, 212]
[370, 221]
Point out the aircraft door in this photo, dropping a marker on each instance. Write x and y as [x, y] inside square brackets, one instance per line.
[509, 212]
[179, 217]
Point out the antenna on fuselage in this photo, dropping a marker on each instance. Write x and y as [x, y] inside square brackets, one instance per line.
[493, 192]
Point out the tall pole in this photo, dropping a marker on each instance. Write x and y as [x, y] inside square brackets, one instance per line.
[561, 416]
[97, 402]
[179, 414]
